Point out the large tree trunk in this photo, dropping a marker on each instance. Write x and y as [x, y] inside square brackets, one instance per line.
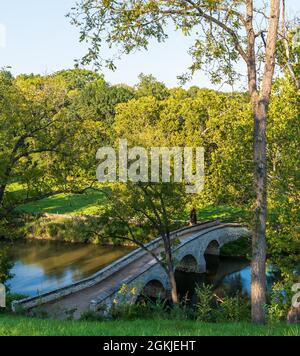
[171, 269]
[260, 102]
[259, 247]
[173, 283]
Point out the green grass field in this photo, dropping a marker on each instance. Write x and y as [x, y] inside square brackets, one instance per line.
[90, 203]
[19, 326]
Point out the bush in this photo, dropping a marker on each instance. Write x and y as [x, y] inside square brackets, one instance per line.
[124, 307]
[204, 306]
[280, 302]
[5, 265]
[239, 248]
[211, 308]
[233, 309]
[128, 306]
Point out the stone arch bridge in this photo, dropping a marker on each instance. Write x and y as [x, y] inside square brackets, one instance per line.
[137, 270]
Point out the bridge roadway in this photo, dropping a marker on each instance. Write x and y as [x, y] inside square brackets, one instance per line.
[81, 300]
[142, 268]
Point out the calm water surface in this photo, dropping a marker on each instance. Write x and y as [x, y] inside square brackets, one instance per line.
[42, 266]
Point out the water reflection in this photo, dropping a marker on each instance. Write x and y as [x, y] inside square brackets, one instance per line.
[41, 266]
[222, 273]
[227, 275]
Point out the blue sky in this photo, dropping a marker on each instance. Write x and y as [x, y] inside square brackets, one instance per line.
[39, 39]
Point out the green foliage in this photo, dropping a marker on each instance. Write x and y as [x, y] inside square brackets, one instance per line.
[97, 103]
[135, 212]
[280, 300]
[5, 265]
[52, 126]
[124, 306]
[211, 308]
[149, 86]
[239, 248]
[233, 309]
[39, 140]
[58, 228]
[181, 311]
[288, 53]
[134, 24]
[283, 196]
[78, 79]
[204, 306]
[216, 121]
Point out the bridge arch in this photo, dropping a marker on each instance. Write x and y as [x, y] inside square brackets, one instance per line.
[213, 248]
[154, 289]
[188, 263]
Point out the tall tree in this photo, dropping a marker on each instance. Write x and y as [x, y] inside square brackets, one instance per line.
[149, 86]
[41, 141]
[225, 32]
[137, 212]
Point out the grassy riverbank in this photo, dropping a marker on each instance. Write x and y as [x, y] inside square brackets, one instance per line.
[71, 218]
[13, 325]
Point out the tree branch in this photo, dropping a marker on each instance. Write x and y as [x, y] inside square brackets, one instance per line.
[227, 29]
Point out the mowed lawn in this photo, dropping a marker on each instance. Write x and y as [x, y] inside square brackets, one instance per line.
[88, 203]
[20, 326]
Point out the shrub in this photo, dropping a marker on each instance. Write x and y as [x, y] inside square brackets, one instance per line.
[239, 248]
[5, 265]
[211, 308]
[233, 309]
[280, 302]
[204, 306]
[181, 311]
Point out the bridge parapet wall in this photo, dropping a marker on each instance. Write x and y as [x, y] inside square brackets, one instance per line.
[33, 302]
[194, 246]
[197, 246]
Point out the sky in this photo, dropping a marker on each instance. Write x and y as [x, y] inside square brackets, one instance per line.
[36, 37]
